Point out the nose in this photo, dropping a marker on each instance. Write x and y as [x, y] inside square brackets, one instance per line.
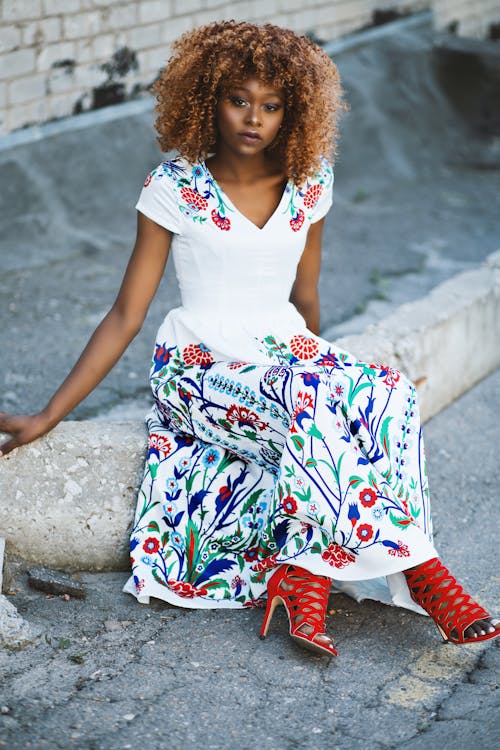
[253, 117]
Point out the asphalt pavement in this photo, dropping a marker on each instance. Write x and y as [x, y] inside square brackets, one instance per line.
[108, 673]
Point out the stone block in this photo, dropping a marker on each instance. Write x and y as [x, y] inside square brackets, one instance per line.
[19, 10]
[187, 6]
[174, 27]
[53, 54]
[74, 492]
[103, 45]
[40, 32]
[10, 38]
[122, 17]
[54, 7]
[142, 37]
[154, 10]
[17, 63]
[26, 89]
[82, 25]
[15, 633]
[27, 114]
[61, 105]
[55, 582]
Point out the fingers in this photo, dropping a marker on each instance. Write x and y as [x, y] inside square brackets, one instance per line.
[8, 446]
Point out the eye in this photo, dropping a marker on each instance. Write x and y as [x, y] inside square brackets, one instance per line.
[238, 101]
[272, 107]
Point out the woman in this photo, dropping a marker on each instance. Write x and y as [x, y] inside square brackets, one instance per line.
[276, 461]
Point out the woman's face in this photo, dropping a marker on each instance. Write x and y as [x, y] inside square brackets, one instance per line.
[249, 116]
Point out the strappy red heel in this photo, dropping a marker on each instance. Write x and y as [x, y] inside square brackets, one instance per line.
[433, 587]
[305, 597]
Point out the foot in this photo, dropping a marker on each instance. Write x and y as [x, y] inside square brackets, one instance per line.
[437, 591]
[481, 627]
[316, 609]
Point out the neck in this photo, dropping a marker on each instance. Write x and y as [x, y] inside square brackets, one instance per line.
[239, 168]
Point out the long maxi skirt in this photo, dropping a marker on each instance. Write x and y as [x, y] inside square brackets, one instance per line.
[251, 466]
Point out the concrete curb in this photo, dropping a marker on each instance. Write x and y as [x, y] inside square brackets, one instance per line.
[67, 500]
[445, 342]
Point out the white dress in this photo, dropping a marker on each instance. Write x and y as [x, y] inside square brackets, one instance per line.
[267, 443]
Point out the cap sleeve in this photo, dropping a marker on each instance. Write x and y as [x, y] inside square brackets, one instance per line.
[158, 201]
[324, 178]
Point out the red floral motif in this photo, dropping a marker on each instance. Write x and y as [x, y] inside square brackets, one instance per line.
[368, 497]
[236, 365]
[252, 554]
[244, 417]
[304, 347]
[391, 377]
[221, 221]
[364, 532]
[148, 180]
[261, 601]
[337, 556]
[197, 354]
[312, 195]
[194, 199]
[297, 221]
[403, 550]
[151, 545]
[289, 505]
[266, 564]
[139, 585]
[159, 443]
[303, 403]
[183, 588]
[224, 492]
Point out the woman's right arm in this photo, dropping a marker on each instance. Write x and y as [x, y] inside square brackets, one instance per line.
[108, 342]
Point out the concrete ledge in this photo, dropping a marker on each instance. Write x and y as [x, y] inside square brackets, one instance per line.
[445, 342]
[68, 499]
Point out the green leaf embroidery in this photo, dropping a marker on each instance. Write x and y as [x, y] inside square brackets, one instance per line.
[314, 432]
[384, 435]
[401, 523]
[298, 442]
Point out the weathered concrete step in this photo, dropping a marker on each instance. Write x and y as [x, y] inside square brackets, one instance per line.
[68, 499]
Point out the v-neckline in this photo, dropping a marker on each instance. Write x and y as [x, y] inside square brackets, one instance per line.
[235, 207]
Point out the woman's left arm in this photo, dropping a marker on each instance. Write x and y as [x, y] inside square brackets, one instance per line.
[305, 294]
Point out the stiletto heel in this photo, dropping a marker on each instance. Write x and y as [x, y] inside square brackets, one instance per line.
[305, 598]
[433, 587]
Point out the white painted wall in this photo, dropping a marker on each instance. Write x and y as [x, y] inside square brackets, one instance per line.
[51, 51]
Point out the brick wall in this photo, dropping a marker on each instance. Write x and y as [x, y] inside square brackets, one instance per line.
[471, 18]
[60, 57]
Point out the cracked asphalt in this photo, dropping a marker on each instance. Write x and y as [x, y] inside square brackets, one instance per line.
[108, 673]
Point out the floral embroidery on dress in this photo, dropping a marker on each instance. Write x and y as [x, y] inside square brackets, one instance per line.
[304, 199]
[195, 187]
[300, 454]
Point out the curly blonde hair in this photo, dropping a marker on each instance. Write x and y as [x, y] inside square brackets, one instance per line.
[209, 60]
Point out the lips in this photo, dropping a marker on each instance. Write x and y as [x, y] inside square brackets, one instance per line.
[250, 135]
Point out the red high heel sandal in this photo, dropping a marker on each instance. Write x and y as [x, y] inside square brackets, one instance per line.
[433, 587]
[305, 597]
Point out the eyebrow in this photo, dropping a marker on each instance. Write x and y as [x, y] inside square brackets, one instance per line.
[266, 93]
